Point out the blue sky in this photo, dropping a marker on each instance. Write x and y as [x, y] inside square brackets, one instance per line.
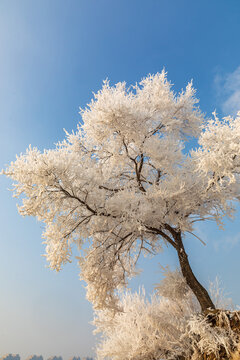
[53, 54]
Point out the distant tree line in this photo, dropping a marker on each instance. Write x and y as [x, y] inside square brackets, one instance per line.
[40, 357]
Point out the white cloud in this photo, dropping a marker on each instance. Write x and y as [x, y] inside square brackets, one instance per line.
[227, 88]
[226, 243]
[233, 240]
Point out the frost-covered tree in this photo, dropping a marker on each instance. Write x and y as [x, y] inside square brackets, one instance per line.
[127, 182]
[168, 326]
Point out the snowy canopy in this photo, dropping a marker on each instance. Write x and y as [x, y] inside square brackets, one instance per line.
[126, 177]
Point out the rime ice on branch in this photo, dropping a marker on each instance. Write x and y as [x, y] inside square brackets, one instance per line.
[125, 183]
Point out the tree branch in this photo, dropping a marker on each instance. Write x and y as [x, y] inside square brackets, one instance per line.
[160, 232]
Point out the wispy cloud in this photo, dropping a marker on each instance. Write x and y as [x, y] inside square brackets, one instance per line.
[227, 88]
[220, 240]
[227, 243]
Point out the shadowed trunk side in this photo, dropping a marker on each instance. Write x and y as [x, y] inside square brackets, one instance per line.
[199, 291]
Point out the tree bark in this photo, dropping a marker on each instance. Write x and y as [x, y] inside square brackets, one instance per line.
[199, 291]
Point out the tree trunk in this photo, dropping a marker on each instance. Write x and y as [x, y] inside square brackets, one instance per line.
[199, 291]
